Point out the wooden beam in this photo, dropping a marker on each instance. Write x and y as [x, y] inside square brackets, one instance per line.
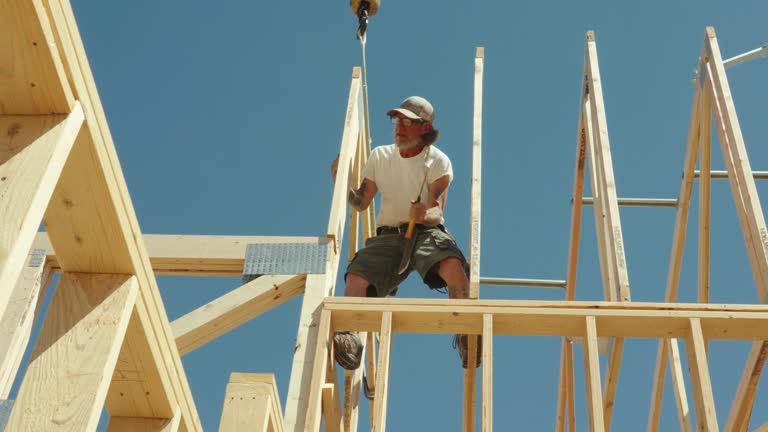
[17, 323]
[33, 150]
[563, 318]
[611, 379]
[323, 354]
[673, 272]
[739, 166]
[332, 409]
[700, 382]
[142, 424]
[705, 194]
[33, 81]
[741, 408]
[67, 379]
[608, 183]
[193, 255]
[234, 309]
[487, 408]
[93, 227]
[320, 286]
[251, 403]
[382, 374]
[592, 376]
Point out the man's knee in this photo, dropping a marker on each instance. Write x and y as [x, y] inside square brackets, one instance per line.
[452, 271]
[357, 286]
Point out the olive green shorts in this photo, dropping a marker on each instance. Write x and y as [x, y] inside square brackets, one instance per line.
[379, 260]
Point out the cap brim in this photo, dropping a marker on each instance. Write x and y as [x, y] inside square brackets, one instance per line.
[404, 112]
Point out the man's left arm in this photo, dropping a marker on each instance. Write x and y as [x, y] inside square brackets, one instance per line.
[430, 211]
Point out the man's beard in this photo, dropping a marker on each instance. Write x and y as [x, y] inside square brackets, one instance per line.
[405, 145]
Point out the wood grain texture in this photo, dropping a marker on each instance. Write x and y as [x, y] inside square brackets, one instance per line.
[251, 403]
[33, 151]
[32, 77]
[234, 309]
[72, 363]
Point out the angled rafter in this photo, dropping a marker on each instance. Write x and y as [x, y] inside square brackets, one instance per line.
[33, 150]
[234, 309]
[67, 380]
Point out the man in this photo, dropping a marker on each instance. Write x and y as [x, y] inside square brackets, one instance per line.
[411, 167]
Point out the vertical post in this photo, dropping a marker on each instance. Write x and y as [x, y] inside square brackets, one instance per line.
[470, 373]
[320, 363]
[382, 374]
[487, 409]
[321, 285]
[250, 404]
[702, 387]
[592, 375]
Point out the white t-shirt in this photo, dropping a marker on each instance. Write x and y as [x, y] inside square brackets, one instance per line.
[398, 179]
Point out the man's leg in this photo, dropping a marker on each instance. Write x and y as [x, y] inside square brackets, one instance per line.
[451, 269]
[347, 346]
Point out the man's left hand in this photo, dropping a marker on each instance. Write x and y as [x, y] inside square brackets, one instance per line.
[418, 211]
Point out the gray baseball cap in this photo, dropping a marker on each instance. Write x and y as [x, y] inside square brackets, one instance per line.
[415, 107]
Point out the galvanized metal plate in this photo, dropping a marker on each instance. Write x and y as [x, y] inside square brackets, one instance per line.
[284, 258]
[5, 412]
[37, 257]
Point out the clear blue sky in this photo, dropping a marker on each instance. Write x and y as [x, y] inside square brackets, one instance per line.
[226, 116]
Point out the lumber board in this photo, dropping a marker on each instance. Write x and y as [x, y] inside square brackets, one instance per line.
[32, 77]
[476, 181]
[234, 309]
[705, 195]
[614, 239]
[700, 381]
[33, 151]
[731, 136]
[675, 263]
[565, 318]
[741, 407]
[331, 409]
[93, 227]
[319, 287]
[487, 400]
[193, 255]
[67, 379]
[562, 389]
[318, 377]
[17, 323]
[251, 403]
[592, 376]
[382, 374]
[611, 380]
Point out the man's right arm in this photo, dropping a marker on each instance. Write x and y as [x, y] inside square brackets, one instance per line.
[360, 198]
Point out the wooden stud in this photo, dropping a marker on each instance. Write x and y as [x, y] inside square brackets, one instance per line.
[570, 390]
[741, 408]
[251, 403]
[705, 165]
[731, 136]
[67, 379]
[611, 379]
[234, 309]
[17, 323]
[33, 150]
[318, 287]
[700, 382]
[318, 375]
[592, 376]
[487, 407]
[332, 409]
[382, 374]
[562, 393]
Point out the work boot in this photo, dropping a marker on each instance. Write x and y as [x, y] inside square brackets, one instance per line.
[461, 342]
[347, 350]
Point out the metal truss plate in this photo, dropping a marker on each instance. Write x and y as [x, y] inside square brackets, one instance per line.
[284, 258]
[5, 412]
